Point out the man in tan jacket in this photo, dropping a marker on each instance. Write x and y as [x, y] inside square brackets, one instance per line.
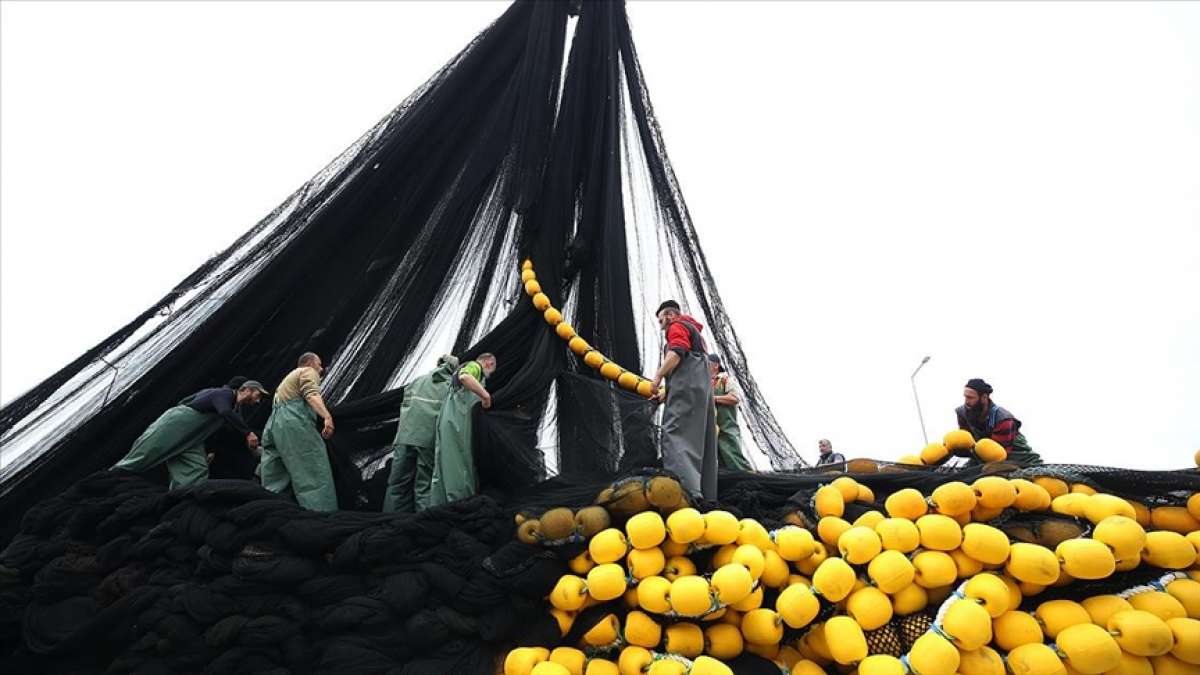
[293, 451]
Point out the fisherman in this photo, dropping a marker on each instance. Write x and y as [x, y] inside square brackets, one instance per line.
[689, 421]
[828, 456]
[413, 452]
[294, 458]
[984, 419]
[225, 458]
[727, 396]
[177, 437]
[453, 461]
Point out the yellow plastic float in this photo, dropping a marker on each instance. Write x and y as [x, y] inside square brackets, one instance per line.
[756, 589]
[609, 370]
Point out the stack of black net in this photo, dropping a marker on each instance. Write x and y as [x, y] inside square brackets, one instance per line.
[119, 575]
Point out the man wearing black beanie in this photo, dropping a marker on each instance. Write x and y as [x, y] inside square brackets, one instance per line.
[984, 419]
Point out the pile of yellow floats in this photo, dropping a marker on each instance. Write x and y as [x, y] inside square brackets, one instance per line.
[958, 442]
[920, 553]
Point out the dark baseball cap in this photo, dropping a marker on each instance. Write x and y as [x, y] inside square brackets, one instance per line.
[255, 385]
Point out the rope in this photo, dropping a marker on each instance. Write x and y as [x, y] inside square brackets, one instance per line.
[116, 371]
[1159, 584]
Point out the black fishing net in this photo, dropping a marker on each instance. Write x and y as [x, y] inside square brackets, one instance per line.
[1112, 585]
[897, 636]
[1153, 488]
[407, 246]
[117, 574]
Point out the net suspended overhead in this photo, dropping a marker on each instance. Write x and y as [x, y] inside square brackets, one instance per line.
[408, 245]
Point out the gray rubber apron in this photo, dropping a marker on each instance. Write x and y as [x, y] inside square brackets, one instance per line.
[689, 426]
[176, 438]
[729, 435]
[294, 459]
[416, 435]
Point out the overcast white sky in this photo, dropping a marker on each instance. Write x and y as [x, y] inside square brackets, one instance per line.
[1012, 188]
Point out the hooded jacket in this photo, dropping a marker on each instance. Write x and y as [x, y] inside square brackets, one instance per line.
[683, 336]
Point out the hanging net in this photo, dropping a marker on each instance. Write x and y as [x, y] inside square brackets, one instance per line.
[407, 246]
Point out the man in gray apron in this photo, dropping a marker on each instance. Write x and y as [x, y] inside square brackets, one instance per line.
[177, 437]
[413, 453]
[689, 421]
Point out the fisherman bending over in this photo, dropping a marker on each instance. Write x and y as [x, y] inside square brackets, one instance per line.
[727, 396]
[177, 437]
[454, 464]
[985, 419]
[689, 424]
[413, 454]
[293, 454]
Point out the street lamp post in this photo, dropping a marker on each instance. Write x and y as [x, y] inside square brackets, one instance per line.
[920, 416]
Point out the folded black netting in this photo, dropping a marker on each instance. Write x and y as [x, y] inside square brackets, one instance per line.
[447, 590]
[1154, 488]
[361, 593]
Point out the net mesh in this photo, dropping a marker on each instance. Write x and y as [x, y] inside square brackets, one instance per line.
[898, 635]
[407, 246]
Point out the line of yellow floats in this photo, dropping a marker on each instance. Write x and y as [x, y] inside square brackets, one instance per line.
[595, 360]
[921, 551]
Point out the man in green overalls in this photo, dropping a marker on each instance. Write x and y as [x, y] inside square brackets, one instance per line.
[177, 437]
[726, 395]
[413, 454]
[454, 464]
[294, 459]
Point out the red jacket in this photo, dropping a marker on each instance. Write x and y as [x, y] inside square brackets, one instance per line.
[679, 338]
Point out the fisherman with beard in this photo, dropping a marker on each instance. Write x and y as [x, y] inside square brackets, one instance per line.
[177, 437]
[984, 419]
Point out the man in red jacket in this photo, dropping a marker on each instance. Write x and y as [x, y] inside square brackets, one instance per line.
[689, 422]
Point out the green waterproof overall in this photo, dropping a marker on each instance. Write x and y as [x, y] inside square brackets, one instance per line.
[729, 435]
[689, 426]
[413, 454]
[176, 438]
[454, 464]
[293, 457]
